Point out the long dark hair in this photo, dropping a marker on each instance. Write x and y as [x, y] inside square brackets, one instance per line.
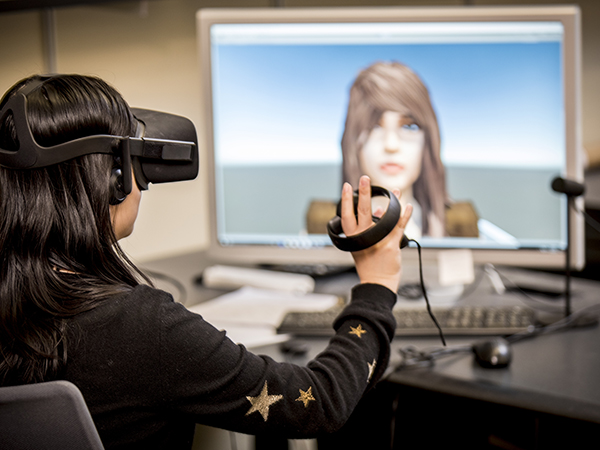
[59, 253]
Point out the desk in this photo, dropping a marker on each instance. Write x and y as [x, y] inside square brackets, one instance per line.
[549, 394]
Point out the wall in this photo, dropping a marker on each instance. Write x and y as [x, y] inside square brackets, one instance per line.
[147, 50]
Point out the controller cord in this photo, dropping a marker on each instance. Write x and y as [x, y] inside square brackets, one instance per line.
[425, 294]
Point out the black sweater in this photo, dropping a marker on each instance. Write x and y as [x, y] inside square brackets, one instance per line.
[149, 369]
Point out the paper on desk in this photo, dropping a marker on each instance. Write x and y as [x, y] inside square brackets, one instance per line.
[251, 316]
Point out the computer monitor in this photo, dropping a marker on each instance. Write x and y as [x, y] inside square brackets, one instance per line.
[504, 89]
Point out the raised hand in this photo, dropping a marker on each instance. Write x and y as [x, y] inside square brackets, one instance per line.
[382, 262]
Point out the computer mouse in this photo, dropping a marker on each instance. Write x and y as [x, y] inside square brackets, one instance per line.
[493, 353]
[294, 347]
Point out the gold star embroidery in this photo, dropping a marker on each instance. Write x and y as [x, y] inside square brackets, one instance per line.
[371, 370]
[358, 330]
[305, 397]
[262, 402]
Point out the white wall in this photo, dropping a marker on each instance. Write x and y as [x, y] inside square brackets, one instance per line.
[147, 50]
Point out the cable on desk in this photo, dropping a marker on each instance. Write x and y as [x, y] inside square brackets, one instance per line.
[533, 301]
[413, 357]
[584, 317]
[472, 287]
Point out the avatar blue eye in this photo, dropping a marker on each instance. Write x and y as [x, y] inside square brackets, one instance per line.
[411, 127]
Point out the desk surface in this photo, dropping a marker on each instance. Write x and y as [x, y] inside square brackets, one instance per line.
[555, 373]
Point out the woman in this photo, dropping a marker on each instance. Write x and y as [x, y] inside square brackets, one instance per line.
[72, 306]
[392, 135]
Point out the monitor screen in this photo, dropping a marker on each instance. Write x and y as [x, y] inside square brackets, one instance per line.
[471, 112]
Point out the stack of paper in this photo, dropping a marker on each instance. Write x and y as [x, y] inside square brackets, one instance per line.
[251, 316]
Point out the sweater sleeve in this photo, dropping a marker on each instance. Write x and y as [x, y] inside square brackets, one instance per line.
[206, 376]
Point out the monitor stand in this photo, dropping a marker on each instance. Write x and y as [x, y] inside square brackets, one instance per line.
[440, 295]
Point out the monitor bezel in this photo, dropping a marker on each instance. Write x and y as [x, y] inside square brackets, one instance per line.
[568, 15]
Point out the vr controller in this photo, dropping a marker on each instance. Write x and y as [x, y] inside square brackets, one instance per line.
[164, 149]
[371, 236]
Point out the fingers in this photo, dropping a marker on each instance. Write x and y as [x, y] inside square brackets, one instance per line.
[365, 218]
[351, 223]
[406, 214]
[405, 217]
[348, 220]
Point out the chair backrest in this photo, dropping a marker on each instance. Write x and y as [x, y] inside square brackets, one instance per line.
[51, 415]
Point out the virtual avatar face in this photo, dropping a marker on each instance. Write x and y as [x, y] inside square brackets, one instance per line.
[391, 157]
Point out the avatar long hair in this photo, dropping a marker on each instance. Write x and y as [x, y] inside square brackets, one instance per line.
[59, 252]
[391, 86]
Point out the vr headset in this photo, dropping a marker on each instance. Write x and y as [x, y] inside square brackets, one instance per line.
[164, 149]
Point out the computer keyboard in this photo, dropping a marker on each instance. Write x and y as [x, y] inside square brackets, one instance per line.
[457, 320]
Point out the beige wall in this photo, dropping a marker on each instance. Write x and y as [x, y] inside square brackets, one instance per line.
[147, 50]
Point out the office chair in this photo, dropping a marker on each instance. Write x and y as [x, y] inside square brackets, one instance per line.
[51, 416]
